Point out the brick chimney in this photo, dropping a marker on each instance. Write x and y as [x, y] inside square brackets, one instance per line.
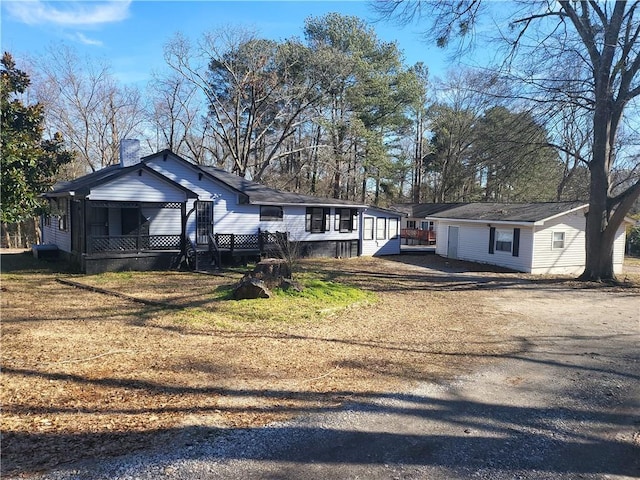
[129, 152]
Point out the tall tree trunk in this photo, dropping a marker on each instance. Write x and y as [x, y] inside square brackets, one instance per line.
[7, 237]
[19, 239]
[599, 240]
[417, 165]
[36, 229]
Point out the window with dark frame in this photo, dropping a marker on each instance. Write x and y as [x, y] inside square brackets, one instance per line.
[63, 219]
[411, 224]
[345, 220]
[271, 213]
[381, 228]
[367, 234]
[317, 219]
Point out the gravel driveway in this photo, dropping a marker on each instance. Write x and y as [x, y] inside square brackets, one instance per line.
[565, 406]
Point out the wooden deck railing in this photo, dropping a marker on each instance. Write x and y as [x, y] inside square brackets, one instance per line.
[423, 236]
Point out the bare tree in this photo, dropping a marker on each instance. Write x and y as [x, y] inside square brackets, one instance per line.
[257, 91]
[84, 101]
[544, 37]
[178, 115]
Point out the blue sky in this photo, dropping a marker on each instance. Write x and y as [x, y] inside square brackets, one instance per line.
[130, 35]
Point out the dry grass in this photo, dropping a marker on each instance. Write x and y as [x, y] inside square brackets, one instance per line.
[87, 374]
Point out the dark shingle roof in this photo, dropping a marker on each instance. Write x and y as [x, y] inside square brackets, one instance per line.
[509, 212]
[260, 194]
[422, 210]
[82, 185]
[86, 181]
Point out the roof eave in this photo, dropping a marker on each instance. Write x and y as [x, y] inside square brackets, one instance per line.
[523, 223]
[560, 214]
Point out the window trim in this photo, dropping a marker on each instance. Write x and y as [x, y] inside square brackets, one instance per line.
[393, 232]
[554, 241]
[272, 218]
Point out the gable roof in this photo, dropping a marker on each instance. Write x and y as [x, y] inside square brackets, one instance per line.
[82, 186]
[510, 212]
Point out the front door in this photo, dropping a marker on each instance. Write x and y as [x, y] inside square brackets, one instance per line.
[452, 243]
[204, 221]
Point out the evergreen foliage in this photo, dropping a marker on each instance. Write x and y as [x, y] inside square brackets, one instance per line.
[29, 162]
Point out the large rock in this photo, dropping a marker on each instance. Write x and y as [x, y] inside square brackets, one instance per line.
[250, 288]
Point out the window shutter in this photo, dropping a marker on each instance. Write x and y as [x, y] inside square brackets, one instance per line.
[307, 221]
[516, 242]
[492, 239]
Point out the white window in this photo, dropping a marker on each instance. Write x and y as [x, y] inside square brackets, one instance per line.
[504, 240]
[381, 228]
[558, 239]
[368, 228]
[393, 228]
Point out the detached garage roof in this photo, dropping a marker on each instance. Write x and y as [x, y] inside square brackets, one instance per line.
[422, 210]
[510, 212]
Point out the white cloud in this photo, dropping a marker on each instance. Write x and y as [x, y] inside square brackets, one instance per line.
[82, 38]
[75, 13]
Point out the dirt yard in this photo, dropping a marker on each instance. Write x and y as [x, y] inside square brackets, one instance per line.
[87, 374]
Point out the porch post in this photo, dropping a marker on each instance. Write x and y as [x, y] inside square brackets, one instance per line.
[183, 226]
[139, 227]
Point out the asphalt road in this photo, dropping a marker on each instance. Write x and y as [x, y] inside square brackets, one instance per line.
[566, 406]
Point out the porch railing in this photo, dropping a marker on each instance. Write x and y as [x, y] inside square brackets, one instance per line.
[231, 242]
[258, 242]
[133, 243]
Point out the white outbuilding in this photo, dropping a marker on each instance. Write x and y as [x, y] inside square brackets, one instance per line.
[539, 238]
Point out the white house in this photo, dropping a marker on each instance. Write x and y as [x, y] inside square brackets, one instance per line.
[539, 238]
[150, 213]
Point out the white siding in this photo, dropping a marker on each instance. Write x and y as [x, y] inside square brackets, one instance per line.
[568, 260]
[387, 246]
[143, 187]
[473, 244]
[294, 222]
[231, 217]
[51, 234]
[163, 221]
[228, 215]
